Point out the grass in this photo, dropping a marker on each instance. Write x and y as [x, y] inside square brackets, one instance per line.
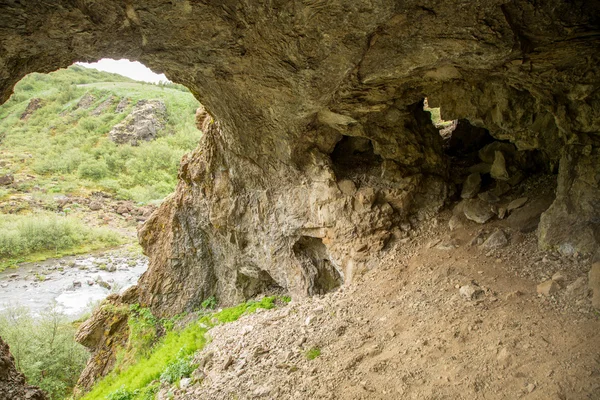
[34, 237]
[168, 357]
[66, 148]
[313, 353]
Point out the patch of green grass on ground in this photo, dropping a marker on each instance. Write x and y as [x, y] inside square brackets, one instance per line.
[171, 353]
[36, 237]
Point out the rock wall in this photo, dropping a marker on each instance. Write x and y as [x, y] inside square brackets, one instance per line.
[322, 154]
[12, 382]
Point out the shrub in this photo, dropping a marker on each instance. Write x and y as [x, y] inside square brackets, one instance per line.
[44, 349]
[182, 367]
[93, 169]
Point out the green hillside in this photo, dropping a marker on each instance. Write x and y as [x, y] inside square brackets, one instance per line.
[63, 147]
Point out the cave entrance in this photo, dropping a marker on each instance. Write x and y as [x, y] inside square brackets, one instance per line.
[257, 282]
[354, 158]
[444, 127]
[322, 274]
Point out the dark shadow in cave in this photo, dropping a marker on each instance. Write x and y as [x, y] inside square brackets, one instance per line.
[312, 254]
[354, 156]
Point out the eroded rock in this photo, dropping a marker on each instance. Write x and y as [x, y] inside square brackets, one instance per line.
[12, 382]
[144, 123]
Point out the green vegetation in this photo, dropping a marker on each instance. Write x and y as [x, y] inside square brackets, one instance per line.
[44, 349]
[42, 235]
[170, 358]
[65, 146]
[313, 353]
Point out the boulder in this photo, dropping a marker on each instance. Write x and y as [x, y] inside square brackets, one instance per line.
[572, 223]
[527, 218]
[471, 186]
[144, 123]
[478, 211]
[498, 170]
[6, 180]
[496, 240]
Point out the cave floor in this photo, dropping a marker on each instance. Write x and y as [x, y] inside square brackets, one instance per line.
[439, 318]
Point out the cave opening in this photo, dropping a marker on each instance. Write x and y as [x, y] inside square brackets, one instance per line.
[257, 283]
[321, 272]
[354, 158]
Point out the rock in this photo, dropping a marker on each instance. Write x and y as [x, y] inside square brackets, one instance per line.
[144, 123]
[572, 223]
[559, 277]
[478, 211]
[86, 101]
[594, 284]
[498, 170]
[347, 187]
[489, 152]
[496, 240]
[122, 105]
[471, 186]
[456, 222]
[517, 203]
[471, 292]
[13, 385]
[578, 288]
[489, 197]
[184, 383]
[527, 218]
[95, 205]
[481, 168]
[34, 104]
[547, 288]
[6, 179]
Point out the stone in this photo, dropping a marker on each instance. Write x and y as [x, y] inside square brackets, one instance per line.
[527, 218]
[144, 123]
[572, 223]
[517, 203]
[95, 205]
[347, 187]
[594, 284]
[478, 211]
[456, 222]
[577, 288]
[547, 288]
[34, 104]
[498, 170]
[471, 186]
[471, 292]
[489, 197]
[559, 277]
[184, 383]
[6, 180]
[496, 240]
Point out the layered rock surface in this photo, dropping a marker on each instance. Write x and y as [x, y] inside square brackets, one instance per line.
[322, 154]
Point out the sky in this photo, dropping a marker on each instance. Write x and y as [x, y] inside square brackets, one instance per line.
[131, 69]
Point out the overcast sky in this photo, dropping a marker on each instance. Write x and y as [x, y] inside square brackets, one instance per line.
[131, 69]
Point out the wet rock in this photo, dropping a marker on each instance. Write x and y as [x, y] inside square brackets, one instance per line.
[498, 170]
[478, 211]
[547, 288]
[144, 123]
[471, 186]
[496, 240]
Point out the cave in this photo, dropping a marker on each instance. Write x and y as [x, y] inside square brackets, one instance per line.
[322, 273]
[256, 283]
[517, 71]
[353, 158]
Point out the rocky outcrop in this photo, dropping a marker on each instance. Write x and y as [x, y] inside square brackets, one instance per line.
[34, 104]
[12, 382]
[145, 121]
[322, 153]
[103, 334]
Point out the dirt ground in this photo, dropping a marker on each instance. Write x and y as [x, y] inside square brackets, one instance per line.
[441, 317]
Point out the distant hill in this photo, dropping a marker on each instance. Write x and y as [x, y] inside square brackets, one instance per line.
[54, 135]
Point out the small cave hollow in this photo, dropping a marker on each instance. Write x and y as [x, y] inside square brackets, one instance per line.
[257, 283]
[323, 275]
[353, 157]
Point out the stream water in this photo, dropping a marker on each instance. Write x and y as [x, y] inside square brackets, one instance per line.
[74, 284]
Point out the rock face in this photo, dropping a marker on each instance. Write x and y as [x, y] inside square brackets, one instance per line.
[147, 118]
[103, 333]
[12, 382]
[308, 95]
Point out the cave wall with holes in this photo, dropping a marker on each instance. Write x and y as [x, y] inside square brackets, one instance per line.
[321, 153]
